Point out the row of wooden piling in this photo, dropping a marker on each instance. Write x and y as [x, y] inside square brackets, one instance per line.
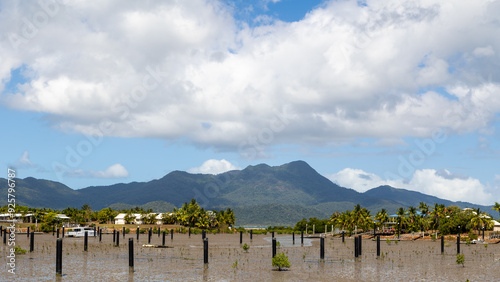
[116, 241]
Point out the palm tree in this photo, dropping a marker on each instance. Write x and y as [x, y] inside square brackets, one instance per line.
[402, 219]
[412, 221]
[382, 216]
[424, 210]
[149, 218]
[87, 210]
[436, 214]
[497, 207]
[479, 219]
[129, 217]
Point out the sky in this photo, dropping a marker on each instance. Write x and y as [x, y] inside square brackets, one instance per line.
[369, 93]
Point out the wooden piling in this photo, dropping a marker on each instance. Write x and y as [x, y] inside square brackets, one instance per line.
[378, 245]
[205, 251]
[131, 255]
[356, 254]
[322, 248]
[442, 244]
[85, 241]
[59, 257]
[32, 241]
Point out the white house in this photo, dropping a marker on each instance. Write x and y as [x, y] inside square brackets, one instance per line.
[120, 218]
[17, 217]
[496, 225]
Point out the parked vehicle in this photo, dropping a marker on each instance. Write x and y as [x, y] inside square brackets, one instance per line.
[80, 232]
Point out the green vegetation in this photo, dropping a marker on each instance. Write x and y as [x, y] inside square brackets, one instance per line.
[461, 259]
[19, 250]
[246, 247]
[280, 261]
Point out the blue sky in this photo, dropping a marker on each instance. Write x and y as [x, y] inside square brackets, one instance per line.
[367, 92]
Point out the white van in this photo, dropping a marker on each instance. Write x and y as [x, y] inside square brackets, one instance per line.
[80, 232]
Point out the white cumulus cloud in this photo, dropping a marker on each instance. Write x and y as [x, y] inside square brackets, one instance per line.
[188, 70]
[213, 166]
[439, 183]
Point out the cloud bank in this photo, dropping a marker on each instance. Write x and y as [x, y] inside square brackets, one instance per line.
[440, 183]
[189, 70]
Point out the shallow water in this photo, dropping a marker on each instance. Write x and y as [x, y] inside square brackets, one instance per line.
[419, 260]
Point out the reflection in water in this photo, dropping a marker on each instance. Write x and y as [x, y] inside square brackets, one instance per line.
[287, 241]
[130, 276]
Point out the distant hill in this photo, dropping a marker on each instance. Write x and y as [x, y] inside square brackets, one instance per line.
[259, 195]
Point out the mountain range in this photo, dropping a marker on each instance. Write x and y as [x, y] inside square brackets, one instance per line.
[259, 195]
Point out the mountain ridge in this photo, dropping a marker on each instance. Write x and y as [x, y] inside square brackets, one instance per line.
[279, 190]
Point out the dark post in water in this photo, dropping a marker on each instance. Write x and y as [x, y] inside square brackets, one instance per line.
[272, 232]
[343, 236]
[28, 232]
[205, 250]
[442, 244]
[302, 237]
[356, 247]
[149, 236]
[63, 232]
[85, 241]
[189, 232]
[131, 254]
[458, 243]
[32, 241]
[274, 247]
[114, 235]
[322, 248]
[100, 236]
[378, 245]
[117, 238]
[251, 234]
[163, 239]
[171, 234]
[293, 237]
[137, 233]
[123, 230]
[59, 257]
[241, 237]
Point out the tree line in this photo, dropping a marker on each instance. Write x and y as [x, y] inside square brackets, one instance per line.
[445, 219]
[189, 215]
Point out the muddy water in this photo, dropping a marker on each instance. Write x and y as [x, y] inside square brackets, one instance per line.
[405, 261]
